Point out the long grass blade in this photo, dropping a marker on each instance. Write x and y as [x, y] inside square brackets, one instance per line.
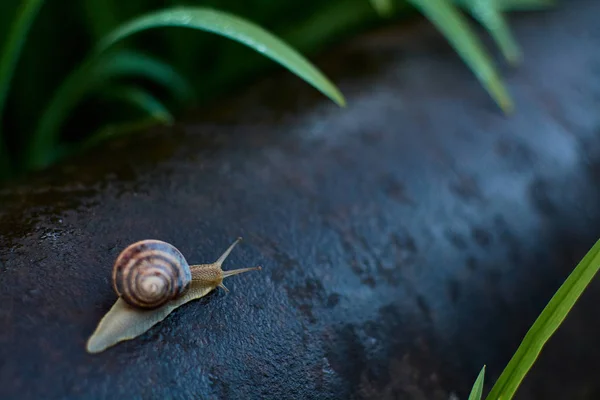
[234, 28]
[477, 390]
[524, 5]
[91, 76]
[109, 131]
[545, 325]
[5, 164]
[448, 19]
[385, 8]
[142, 100]
[310, 35]
[101, 16]
[13, 45]
[488, 14]
[9, 55]
[115, 130]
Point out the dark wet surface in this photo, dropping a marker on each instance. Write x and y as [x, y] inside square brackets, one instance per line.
[405, 241]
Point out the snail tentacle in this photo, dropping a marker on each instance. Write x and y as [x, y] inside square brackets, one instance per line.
[221, 259]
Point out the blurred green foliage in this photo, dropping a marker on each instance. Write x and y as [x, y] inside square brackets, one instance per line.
[57, 96]
[104, 66]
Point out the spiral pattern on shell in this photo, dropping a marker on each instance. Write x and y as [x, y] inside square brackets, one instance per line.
[149, 273]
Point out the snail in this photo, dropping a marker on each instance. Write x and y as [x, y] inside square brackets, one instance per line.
[151, 279]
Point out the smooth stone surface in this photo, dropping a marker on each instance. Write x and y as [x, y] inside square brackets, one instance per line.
[405, 241]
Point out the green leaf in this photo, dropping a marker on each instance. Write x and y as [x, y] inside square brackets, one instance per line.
[5, 165]
[448, 19]
[114, 130]
[385, 8]
[477, 390]
[141, 99]
[546, 324]
[524, 5]
[9, 56]
[108, 131]
[489, 14]
[89, 77]
[135, 64]
[101, 16]
[234, 28]
[14, 44]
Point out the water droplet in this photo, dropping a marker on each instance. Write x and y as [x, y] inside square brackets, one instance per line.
[327, 367]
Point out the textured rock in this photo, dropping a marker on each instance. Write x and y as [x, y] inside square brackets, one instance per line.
[405, 241]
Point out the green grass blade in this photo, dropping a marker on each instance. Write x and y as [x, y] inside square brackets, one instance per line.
[448, 19]
[9, 56]
[114, 130]
[142, 100]
[234, 28]
[384, 8]
[512, 5]
[490, 16]
[136, 64]
[5, 164]
[546, 324]
[91, 76]
[477, 390]
[14, 44]
[525, 5]
[101, 16]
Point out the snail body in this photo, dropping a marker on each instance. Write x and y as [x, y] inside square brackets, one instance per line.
[151, 279]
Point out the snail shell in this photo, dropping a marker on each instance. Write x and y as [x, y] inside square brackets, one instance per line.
[150, 273]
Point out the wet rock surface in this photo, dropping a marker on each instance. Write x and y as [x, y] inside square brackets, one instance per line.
[405, 241]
